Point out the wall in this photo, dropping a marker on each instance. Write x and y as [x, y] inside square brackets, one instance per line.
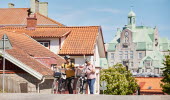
[62, 41]
[43, 8]
[97, 57]
[25, 83]
[54, 44]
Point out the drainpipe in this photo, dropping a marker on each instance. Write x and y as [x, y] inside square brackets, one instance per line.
[40, 83]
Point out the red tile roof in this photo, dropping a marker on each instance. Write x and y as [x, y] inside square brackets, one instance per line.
[18, 16]
[25, 49]
[80, 41]
[149, 82]
[40, 32]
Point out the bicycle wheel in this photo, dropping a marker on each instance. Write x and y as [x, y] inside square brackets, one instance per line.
[78, 86]
[84, 87]
[54, 89]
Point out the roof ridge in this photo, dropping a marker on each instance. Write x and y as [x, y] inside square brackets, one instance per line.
[50, 19]
[14, 8]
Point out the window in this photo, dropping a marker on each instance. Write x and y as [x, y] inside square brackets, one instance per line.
[120, 54]
[126, 37]
[72, 60]
[54, 67]
[131, 54]
[140, 55]
[126, 52]
[126, 56]
[129, 20]
[148, 63]
[45, 44]
[131, 64]
[112, 56]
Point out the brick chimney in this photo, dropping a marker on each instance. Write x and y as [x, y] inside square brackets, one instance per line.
[11, 5]
[31, 22]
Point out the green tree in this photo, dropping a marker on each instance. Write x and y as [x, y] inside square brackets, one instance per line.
[119, 80]
[166, 75]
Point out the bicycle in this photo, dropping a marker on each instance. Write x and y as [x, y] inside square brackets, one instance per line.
[59, 82]
[81, 85]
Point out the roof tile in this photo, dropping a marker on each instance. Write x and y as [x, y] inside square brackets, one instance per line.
[25, 49]
[146, 82]
[18, 16]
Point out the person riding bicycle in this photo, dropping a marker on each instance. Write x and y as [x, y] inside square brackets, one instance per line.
[91, 75]
[70, 73]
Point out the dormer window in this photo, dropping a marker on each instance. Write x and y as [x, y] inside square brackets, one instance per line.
[46, 44]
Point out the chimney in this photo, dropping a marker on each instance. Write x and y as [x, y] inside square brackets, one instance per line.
[11, 5]
[34, 6]
[43, 8]
[31, 22]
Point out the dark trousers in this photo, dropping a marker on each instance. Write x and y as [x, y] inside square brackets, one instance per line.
[91, 85]
[70, 83]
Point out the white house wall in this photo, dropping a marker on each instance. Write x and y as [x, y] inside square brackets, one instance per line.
[54, 44]
[97, 57]
[62, 41]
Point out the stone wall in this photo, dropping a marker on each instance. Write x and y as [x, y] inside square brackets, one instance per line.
[27, 83]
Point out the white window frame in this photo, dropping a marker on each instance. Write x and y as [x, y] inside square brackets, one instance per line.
[43, 43]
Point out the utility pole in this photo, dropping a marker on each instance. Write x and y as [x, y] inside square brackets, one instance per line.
[3, 81]
[4, 45]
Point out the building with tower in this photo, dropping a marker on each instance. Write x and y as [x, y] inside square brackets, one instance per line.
[139, 48]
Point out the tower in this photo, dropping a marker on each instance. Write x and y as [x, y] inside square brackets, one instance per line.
[131, 19]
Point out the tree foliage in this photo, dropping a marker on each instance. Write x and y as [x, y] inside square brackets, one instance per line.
[119, 80]
[166, 75]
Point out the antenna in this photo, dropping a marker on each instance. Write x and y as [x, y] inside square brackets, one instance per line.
[131, 3]
[131, 7]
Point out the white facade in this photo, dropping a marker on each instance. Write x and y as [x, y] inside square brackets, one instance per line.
[54, 43]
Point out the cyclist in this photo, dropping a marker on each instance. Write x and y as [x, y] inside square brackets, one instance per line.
[70, 73]
[91, 76]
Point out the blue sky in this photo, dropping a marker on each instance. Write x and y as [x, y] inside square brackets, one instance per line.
[109, 14]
